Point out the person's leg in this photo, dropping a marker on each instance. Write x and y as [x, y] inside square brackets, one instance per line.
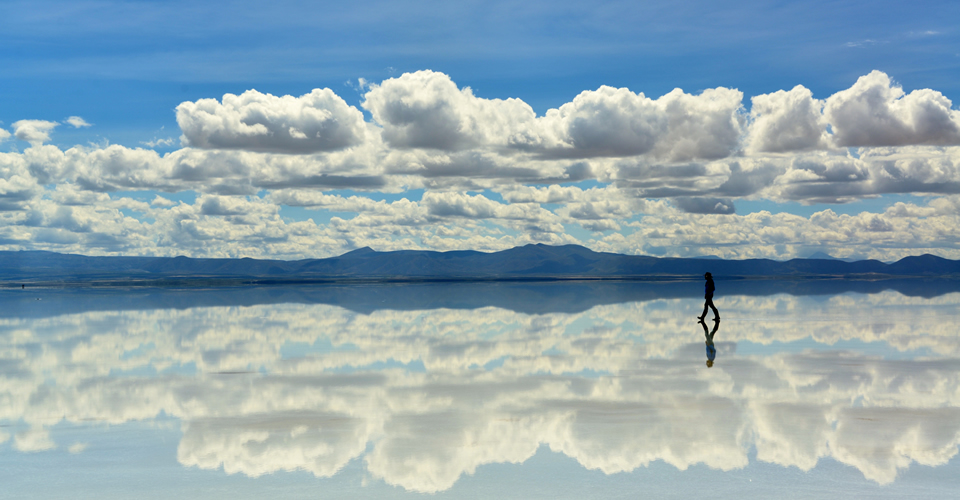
[704, 314]
[716, 314]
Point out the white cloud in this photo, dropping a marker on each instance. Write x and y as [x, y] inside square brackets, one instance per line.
[786, 121]
[677, 157]
[17, 185]
[77, 122]
[252, 121]
[609, 122]
[707, 125]
[165, 143]
[159, 201]
[69, 217]
[115, 167]
[547, 194]
[831, 178]
[875, 112]
[460, 205]
[77, 448]
[675, 127]
[319, 442]
[697, 205]
[601, 209]
[34, 439]
[883, 236]
[33, 131]
[4, 135]
[425, 109]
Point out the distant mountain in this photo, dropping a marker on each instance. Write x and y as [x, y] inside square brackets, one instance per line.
[826, 256]
[520, 263]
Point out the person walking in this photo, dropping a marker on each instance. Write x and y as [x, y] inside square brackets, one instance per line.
[708, 290]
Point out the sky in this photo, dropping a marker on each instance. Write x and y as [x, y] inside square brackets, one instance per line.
[296, 129]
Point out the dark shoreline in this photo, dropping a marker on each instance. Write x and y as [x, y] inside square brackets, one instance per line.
[242, 281]
[365, 296]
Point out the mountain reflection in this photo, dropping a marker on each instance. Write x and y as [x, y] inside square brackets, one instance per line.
[424, 396]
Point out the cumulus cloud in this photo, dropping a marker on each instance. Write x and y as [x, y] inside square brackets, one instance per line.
[425, 109]
[223, 205]
[17, 184]
[33, 131]
[704, 205]
[675, 127]
[706, 125]
[314, 122]
[876, 112]
[680, 156]
[609, 122]
[118, 168]
[786, 121]
[547, 194]
[159, 201]
[4, 135]
[838, 178]
[460, 205]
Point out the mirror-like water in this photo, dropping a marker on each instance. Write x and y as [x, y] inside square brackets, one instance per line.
[555, 390]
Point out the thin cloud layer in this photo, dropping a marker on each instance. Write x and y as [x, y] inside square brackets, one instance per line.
[228, 225]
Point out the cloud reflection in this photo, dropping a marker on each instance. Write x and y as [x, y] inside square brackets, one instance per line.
[426, 396]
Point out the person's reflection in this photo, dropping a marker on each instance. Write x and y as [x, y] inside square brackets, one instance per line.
[711, 350]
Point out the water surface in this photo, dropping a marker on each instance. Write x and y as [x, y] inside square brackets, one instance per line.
[481, 390]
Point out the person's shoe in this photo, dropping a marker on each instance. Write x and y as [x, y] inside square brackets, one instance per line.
[700, 318]
[716, 318]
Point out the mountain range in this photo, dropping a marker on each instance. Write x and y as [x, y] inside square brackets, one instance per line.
[539, 262]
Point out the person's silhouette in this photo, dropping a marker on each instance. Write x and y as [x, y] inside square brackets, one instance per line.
[711, 350]
[708, 290]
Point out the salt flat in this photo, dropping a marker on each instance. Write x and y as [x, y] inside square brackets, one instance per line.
[464, 390]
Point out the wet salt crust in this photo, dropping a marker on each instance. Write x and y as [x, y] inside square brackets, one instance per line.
[522, 390]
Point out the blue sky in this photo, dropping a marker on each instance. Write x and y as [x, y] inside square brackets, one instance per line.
[869, 142]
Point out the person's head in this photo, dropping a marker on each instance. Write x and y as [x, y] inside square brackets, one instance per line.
[708, 276]
[709, 363]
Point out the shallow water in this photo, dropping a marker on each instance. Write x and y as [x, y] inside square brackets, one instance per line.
[570, 390]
